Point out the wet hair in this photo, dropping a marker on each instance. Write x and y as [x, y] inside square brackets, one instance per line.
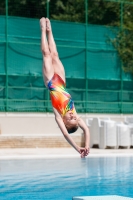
[72, 129]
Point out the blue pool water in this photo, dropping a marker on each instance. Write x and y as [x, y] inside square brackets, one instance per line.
[63, 178]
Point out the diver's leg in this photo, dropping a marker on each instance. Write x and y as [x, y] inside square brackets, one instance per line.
[48, 70]
[58, 67]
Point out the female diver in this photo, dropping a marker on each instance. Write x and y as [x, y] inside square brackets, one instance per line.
[54, 79]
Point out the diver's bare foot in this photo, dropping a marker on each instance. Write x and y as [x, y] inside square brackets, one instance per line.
[43, 23]
[48, 25]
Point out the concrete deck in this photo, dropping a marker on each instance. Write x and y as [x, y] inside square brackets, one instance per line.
[31, 153]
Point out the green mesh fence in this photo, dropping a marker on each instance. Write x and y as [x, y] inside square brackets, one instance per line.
[93, 69]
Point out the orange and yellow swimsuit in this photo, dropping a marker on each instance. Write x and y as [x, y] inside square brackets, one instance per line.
[60, 98]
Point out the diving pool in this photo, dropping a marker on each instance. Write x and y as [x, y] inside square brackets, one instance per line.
[63, 178]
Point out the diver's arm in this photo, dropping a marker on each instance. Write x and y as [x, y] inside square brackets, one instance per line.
[85, 129]
[63, 129]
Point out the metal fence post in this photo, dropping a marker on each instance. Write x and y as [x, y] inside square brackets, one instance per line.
[86, 53]
[121, 27]
[6, 57]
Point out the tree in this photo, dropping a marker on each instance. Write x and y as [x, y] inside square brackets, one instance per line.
[2, 7]
[73, 11]
[27, 8]
[99, 11]
[124, 39]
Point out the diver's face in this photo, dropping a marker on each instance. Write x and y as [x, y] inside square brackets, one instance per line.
[70, 119]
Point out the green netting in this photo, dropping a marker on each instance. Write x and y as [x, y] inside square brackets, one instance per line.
[27, 57]
[93, 69]
[27, 106]
[3, 57]
[100, 107]
[110, 85]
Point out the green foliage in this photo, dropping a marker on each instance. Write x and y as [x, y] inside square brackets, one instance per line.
[124, 40]
[124, 45]
[2, 7]
[27, 8]
[103, 13]
[69, 10]
[99, 11]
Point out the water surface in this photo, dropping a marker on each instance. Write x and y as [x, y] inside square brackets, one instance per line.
[63, 178]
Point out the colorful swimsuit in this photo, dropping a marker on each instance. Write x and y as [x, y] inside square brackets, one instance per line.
[61, 99]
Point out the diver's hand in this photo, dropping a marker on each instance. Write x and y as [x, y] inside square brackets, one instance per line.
[84, 151]
[87, 151]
